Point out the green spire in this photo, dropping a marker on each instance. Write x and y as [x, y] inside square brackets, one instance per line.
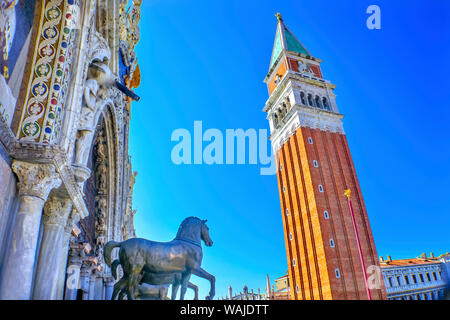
[277, 48]
[285, 40]
[293, 44]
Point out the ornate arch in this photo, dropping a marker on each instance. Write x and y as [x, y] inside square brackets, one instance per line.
[101, 189]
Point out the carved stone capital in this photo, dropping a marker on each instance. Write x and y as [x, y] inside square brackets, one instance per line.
[36, 179]
[56, 211]
[75, 259]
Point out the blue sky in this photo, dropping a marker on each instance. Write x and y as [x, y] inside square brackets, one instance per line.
[206, 60]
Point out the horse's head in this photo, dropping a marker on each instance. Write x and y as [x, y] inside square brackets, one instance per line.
[194, 229]
[205, 234]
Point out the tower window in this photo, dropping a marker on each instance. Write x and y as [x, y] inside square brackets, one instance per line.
[315, 163]
[281, 167]
[318, 104]
[275, 120]
[291, 236]
[310, 100]
[294, 263]
[337, 272]
[303, 98]
[325, 104]
[310, 140]
[421, 278]
[284, 189]
[320, 188]
[406, 280]
[287, 212]
[297, 288]
[326, 215]
[332, 245]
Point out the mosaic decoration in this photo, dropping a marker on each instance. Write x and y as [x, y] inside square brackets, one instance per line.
[48, 88]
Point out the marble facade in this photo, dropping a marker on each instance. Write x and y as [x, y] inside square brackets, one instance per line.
[66, 180]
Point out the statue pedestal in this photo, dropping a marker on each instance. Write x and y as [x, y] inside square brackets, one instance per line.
[150, 292]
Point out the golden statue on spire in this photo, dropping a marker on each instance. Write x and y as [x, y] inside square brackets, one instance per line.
[279, 17]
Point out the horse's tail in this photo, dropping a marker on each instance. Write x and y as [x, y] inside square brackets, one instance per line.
[107, 251]
[114, 266]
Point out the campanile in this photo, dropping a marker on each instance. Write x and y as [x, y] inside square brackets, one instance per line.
[314, 169]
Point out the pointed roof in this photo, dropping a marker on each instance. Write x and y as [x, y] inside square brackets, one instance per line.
[286, 40]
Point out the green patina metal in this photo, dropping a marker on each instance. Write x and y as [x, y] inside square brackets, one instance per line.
[293, 44]
[277, 47]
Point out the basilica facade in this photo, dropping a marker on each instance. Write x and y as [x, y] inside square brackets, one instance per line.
[67, 71]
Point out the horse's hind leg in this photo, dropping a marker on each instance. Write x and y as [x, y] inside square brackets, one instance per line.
[118, 287]
[192, 286]
[184, 284]
[133, 281]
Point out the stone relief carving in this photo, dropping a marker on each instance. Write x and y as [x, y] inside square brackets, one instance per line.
[99, 50]
[129, 23]
[57, 210]
[101, 200]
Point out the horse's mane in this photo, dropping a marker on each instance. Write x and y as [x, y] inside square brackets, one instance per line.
[189, 219]
[186, 224]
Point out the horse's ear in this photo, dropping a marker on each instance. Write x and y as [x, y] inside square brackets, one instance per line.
[205, 221]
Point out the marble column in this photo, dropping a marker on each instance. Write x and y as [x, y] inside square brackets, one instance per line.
[99, 287]
[74, 218]
[56, 214]
[35, 183]
[109, 287]
[92, 281]
[84, 280]
[73, 282]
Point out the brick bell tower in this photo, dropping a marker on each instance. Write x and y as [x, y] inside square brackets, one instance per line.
[315, 168]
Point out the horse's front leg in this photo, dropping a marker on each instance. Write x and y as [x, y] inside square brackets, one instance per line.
[205, 275]
[184, 285]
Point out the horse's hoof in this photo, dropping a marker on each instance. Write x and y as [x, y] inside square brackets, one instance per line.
[208, 298]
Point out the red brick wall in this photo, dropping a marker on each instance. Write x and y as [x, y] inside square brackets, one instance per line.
[316, 260]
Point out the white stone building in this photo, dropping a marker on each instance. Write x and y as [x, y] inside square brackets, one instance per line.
[416, 279]
[65, 174]
[245, 294]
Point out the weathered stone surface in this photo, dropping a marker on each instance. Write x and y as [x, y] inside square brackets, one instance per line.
[61, 156]
[35, 183]
[56, 213]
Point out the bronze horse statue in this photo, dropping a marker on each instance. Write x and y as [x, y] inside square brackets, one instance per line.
[144, 259]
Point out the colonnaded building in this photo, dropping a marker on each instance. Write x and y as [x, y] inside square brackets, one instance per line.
[421, 278]
[65, 174]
